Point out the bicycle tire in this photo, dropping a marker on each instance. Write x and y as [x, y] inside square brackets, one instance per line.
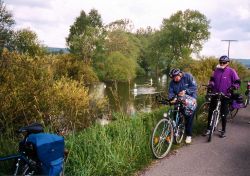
[212, 128]
[202, 112]
[179, 134]
[162, 138]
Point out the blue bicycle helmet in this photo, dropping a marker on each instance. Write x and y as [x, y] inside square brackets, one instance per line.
[174, 72]
[224, 58]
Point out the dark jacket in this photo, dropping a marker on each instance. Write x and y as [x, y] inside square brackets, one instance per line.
[187, 83]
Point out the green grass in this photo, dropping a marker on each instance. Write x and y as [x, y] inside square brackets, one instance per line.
[120, 148]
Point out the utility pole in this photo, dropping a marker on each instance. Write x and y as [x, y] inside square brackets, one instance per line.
[229, 41]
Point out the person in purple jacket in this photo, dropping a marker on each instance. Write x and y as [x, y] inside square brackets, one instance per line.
[225, 80]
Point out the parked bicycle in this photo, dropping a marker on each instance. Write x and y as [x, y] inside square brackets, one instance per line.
[170, 128]
[234, 106]
[39, 153]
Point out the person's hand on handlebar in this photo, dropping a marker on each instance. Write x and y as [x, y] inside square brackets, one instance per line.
[231, 89]
[182, 93]
[173, 101]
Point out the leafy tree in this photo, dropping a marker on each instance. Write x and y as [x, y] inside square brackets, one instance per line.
[144, 35]
[26, 41]
[185, 33]
[6, 23]
[125, 25]
[123, 42]
[119, 68]
[181, 35]
[86, 36]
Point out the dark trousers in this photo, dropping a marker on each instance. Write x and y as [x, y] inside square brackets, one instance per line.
[223, 111]
[188, 123]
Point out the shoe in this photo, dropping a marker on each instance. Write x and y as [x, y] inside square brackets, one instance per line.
[188, 139]
[206, 133]
[222, 134]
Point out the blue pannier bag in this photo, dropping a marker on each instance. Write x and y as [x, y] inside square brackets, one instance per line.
[50, 152]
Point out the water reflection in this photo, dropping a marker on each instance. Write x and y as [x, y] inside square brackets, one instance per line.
[132, 97]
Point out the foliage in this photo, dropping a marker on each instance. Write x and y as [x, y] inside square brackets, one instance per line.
[29, 93]
[180, 35]
[119, 148]
[6, 23]
[144, 35]
[125, 25]
[186, 32]
[26, 41]
[123, 42]
[118, 67]
[86, 36]
[69, 105]
[69, 66]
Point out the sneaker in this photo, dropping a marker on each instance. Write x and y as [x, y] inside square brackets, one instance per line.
[222, 134]
[188, 139]
[206, 133]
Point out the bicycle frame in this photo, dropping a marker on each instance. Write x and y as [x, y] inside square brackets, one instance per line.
[175, 112]
[20, 156]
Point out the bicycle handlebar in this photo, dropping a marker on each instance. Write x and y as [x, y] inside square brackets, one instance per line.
[218, 94]
[166, 101]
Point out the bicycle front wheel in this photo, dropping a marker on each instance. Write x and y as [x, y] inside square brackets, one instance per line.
[213, 124]
[162, 138]
[202, 112]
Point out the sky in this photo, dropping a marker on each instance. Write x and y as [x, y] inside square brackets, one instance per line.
[51, 19]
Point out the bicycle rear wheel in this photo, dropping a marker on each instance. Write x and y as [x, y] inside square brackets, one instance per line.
[162, 138]
[232, 113]
[202, 112]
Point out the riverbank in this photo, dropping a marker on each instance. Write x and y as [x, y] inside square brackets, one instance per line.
[118, 148]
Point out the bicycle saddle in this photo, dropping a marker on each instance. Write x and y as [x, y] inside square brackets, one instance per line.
[33, 128]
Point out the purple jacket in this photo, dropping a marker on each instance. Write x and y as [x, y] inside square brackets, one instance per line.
[224, 79]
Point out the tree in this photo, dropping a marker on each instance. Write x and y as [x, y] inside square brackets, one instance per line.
[119, 68]
[185, 32]
[86, 36]
[181, 35]
[6, 23]
[125, 25]
[26, 41]
[123, 42]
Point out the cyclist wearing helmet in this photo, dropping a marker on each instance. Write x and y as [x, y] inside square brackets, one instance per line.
[184, 85]
[225, 80]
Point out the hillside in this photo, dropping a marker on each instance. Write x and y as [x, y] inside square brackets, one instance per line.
[245, 62]
[57, 50]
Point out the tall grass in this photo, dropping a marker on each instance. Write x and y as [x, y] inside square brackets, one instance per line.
[119, 148]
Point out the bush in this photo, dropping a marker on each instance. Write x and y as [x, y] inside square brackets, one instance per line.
[29, 93]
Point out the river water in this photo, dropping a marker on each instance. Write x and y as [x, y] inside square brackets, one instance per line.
[131, 97]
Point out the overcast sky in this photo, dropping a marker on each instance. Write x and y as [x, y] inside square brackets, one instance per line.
[51, 19]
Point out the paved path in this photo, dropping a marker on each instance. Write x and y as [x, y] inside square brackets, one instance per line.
[228, 156]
